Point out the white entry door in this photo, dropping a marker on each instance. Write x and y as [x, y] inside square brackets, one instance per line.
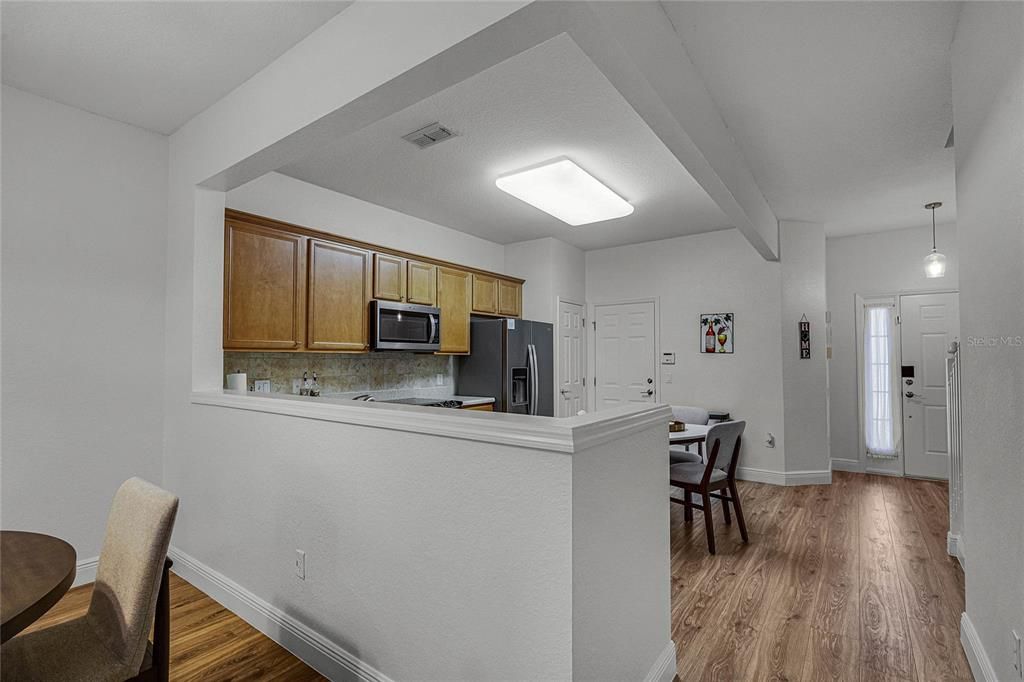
[928, 323]
[624, 365]
[572, 360]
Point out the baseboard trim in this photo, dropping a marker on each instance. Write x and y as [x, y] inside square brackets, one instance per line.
[85, 571]
[319, 653]
[851, 465]
[664, 669]
[785, 478]
[981, 666]
[955, 547]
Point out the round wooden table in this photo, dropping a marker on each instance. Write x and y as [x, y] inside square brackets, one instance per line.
[35, 572]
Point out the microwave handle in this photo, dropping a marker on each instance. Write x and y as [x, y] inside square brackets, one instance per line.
[433, 328]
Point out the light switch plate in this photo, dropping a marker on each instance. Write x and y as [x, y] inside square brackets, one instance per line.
[1018, 654]
[300, 564]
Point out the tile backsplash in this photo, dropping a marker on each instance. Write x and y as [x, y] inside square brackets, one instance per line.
[412, 373]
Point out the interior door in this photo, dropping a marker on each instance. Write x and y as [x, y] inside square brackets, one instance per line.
[928, 323]
[625, 362]
[572, 359]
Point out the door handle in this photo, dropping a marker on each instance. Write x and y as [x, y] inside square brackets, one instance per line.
[909, 394]
[564, 391]
[649, 391]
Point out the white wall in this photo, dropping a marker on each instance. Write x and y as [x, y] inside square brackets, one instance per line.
[804, 381]
[712, 272]
[426, 557]
[84, 217]
[294, 201]
[869, 264]
[988, 112]
[552, 269]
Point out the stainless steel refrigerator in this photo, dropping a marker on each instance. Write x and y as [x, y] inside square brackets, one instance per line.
[510, 361]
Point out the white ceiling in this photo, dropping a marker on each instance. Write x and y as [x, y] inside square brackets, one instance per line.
[151, 64]
[841, 109]
[543, 103]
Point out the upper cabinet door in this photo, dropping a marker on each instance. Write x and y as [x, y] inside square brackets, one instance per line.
[264, 288]
[339, 288]
[454, 298]
[485, 294]
[510, 298]
[421, 283]
[388, 277]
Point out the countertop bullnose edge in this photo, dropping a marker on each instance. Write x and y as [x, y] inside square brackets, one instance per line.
[563, 435]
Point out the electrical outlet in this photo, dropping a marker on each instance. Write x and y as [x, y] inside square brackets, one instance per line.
[300, 564]
[439, 378]
[296, 386]
[1018, 654]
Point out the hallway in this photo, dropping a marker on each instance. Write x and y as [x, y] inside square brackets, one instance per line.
[843, 582]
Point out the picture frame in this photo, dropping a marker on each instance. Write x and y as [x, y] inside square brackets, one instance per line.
[717, 333]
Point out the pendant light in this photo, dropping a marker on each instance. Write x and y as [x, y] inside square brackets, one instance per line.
[934, 262]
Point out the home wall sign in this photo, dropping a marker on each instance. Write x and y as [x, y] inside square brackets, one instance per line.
[805, 338]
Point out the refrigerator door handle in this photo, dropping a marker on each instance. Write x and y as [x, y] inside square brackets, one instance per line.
[534, 378]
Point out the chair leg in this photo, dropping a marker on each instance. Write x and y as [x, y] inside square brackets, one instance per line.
[709, 522]
[162, 627]
[735, 495]
[688, 507]
[725, 511]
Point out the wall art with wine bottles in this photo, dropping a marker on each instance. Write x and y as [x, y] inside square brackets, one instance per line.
[716, 332]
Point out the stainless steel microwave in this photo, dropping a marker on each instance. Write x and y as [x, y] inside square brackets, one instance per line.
[402, 326]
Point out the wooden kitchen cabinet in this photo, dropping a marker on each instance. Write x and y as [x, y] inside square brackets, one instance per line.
[485, 294]
[454, 298]
[264, 288]
[339, 288]
[388, 277]
[421, 283]
[510, 298]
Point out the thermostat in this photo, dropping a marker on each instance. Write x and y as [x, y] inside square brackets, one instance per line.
[668, 358]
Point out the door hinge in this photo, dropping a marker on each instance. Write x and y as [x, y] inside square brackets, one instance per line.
[584, 381]
[897, 319]
[595, 325]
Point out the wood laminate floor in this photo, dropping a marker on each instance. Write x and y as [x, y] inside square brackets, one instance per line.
[843, 582]
[208, 642]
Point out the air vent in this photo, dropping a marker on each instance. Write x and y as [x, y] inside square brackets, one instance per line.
[432, 134]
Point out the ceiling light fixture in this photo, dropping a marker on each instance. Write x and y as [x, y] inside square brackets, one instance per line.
[934, 262]
[566, 191]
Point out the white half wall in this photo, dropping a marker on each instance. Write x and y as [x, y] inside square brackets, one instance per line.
[988, 113]
[705, 273]
[283, 198]
[84, 220]
[872, 264]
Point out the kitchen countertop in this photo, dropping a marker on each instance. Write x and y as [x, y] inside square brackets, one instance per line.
[471, 400]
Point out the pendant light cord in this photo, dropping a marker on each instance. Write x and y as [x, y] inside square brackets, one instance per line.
[933, 228]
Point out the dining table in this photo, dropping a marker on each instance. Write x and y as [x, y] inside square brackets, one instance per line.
[36, 570]
[693, 433]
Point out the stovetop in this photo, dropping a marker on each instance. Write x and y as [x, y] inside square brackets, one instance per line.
[425, 402]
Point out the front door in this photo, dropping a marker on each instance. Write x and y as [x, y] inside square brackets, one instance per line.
[572, 359]
[928, 324]
[624, 364]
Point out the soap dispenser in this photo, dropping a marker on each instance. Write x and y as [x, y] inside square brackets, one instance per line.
[314, 388]
[304, 389]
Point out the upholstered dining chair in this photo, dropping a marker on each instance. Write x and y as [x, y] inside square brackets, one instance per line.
[677, 454]
[110, 643]
[713, 479]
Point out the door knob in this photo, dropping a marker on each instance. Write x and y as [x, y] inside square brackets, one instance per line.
[564, 391]
[909, 394]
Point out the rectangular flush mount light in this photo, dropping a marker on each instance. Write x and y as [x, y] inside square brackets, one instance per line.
[566, 191]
